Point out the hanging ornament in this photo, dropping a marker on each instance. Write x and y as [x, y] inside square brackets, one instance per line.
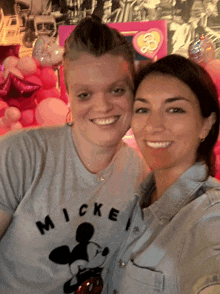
[201, 50]
[47, 52]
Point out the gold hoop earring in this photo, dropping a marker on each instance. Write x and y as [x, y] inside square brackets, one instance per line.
[69, 119]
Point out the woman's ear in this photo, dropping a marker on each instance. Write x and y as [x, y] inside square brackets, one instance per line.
[208, 123]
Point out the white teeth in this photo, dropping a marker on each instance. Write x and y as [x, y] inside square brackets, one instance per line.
[103, 121]
[158, 144]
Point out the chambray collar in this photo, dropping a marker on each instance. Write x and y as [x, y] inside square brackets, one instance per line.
[178, 195]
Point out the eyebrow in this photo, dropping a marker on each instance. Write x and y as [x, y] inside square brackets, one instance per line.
[168, 100]
[125, 80]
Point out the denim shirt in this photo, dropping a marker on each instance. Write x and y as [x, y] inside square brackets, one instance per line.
[173, 245]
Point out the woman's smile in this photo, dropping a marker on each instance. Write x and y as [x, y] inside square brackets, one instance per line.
[105, 121]
[158, 144]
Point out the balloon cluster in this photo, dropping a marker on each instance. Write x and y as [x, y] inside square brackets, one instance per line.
[28, 92]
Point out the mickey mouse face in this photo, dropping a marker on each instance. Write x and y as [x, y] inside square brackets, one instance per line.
[84, 261]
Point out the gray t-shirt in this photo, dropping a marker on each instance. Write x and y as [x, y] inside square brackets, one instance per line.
[67, 222]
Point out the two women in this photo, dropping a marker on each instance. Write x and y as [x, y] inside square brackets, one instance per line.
[67, 192]
[175, 247]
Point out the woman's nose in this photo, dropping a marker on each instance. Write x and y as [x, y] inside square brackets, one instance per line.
[155, 122]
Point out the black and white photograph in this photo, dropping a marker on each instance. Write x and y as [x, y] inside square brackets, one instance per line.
[186, 19]
[23, 21]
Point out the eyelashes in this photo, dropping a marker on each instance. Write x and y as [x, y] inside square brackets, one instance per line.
[174, 110]
[119, 91]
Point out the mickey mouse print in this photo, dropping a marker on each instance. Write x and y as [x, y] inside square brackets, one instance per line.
[84, 261]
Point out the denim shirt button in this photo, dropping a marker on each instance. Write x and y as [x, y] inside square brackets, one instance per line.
[122, 263]
[136, 230]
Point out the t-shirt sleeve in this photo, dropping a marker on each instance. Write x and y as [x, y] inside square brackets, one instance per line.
[16, 169]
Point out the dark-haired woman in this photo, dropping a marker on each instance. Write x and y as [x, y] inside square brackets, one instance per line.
[176, 125]
[66, 192]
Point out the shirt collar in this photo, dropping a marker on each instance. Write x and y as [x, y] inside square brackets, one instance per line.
[178, 195]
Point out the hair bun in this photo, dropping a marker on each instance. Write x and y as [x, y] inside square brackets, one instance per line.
[96, 18]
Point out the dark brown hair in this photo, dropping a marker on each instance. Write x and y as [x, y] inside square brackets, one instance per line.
[201, 84]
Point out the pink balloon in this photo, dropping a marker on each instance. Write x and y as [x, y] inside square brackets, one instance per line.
[43, 94]
[27, 117]
[51, 111]
[34, 79]
[15, 72]
[213, 68]
[12, 114]
[4, 123]
[27, 65]
[16, 126]
[48, 78]
[10, 62]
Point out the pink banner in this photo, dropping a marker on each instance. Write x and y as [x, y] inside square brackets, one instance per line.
[149, 38]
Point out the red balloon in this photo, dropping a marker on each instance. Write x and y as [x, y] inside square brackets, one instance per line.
[3, 106]
[44, 94]
[27, 117]
[48, 78]
[3, 131]
[34, 79]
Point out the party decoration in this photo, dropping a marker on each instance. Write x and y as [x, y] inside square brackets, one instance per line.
[16, 126]
[48, 78]
[8, 50]
[12, 114]
[10, 62]
[51, 111]
[17, 88]
[4, 123]
[47, 52]
[3, 106]
[201, 50]
[43, 94]
[3, 131]
[14, 71]
[148, 43]
[27, 65]
[2, 77]
[34, 79]
[213, 68]
[27, 117]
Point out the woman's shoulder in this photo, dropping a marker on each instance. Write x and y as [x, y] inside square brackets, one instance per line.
[212, 191]
[32, 135]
